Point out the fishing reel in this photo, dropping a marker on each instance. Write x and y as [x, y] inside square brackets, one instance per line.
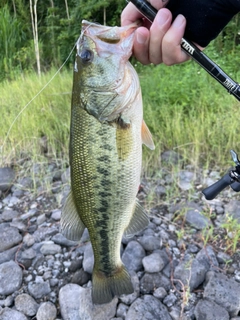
[232, 178]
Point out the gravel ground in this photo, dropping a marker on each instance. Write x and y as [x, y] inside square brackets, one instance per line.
[185, 265]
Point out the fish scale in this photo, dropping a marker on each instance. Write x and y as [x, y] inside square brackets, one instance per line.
[105, 154]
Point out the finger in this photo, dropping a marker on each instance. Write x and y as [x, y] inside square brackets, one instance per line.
[130, 14]
[171, 43]
[160, 26]
[141, 44]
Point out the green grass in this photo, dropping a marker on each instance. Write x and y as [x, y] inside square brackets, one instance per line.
[46, 116]
[185, 109]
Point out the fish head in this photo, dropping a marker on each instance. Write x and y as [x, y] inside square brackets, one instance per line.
[101, 70]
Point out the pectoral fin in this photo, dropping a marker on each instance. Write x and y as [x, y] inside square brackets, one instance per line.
[138, 222]
[147, 136]
[72, 226]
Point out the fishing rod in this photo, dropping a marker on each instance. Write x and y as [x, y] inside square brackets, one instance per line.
[232, 178]
[149, 12]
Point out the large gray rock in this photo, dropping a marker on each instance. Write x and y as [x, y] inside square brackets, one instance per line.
[150, 281]
[89, 311]
[191, 273]
[7, 177]
[9, 314]
[69, 297]
[9, 237]
[10, 277]
[147, 308]
[224, 291]
[153, 263]
[133, 255]
[209, 310]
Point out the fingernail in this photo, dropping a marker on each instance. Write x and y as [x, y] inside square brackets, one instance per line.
[162, 17]
[141, 38]
[178, 22]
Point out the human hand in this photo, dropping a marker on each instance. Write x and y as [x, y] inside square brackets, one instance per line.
[160, 41]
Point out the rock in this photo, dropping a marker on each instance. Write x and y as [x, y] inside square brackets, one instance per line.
[56, 215]
[60, 239]
[81, 277]
[153, 263]
[185, 179]
[133, 255]
[150, 243]
[196, 219]
[223, 291]
[8, 254]
[147, 308]
[8, 215]
[7, 177]
[47, 311]
[150, 281]
[207, 257]
[69, 300]
[26, 304]
[40, 289]
[233, 209]
[89, 311]
[122, 310]
[190, 272]
[209, 310]
[9, 314]
[9, 237]
[160, 293]
[50, 248]
[29, 240]
[129, 298]
[88, 259]
[169, 300]
[10, 277]
[171, 157]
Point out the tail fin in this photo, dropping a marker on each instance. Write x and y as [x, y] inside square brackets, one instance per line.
[105, 287]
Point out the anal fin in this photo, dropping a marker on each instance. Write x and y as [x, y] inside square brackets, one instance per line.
[72, 226]
[138, 222]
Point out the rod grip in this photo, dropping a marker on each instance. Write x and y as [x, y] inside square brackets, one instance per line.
[212, 191]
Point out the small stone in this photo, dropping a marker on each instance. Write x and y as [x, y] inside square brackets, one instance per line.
[47, 311]
[150, 281]
[50, 248]
[169, 300]
[69, 300]
[88, 259]
[39, 290]
[26, 304]
[8, 215]
[196, 219]
[160, 293]
[60, 239]
[29, 240]
[9, 237]
[10, 277]
[153, 263]
[133, 255]
[7, 176]
[41, 219]
[56, 215]
[150, 243]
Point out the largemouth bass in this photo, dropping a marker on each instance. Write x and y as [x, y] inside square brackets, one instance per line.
[106, 136]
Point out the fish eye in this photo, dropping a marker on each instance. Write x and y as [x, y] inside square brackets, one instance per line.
[86, 55]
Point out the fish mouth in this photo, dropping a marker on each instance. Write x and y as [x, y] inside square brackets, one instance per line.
[108, 35]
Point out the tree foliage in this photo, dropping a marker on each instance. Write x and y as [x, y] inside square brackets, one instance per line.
[59, 26]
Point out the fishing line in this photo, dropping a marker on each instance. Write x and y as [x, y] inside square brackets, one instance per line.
[43, 88]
